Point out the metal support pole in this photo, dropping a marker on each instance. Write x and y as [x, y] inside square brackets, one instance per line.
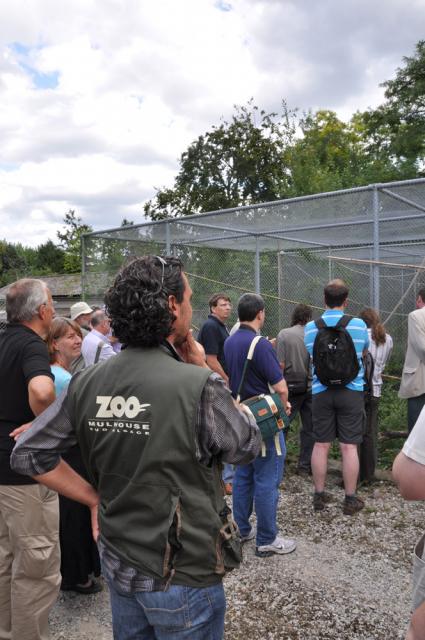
[257, 266]
[280, 256]
[167, 240]
[329, 265]
[83, 268]
[376, 255]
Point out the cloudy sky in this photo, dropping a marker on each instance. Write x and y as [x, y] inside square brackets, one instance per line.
[98, 98]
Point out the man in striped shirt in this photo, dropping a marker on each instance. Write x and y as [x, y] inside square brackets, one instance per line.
[338, 412]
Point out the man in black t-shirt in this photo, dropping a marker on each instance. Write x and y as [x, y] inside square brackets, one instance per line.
[29, 517]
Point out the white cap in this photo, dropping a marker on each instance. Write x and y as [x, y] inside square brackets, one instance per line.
[80, 308]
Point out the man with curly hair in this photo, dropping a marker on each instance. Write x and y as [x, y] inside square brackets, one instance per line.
[153, 425]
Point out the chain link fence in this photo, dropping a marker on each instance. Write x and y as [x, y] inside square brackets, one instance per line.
[373, 237]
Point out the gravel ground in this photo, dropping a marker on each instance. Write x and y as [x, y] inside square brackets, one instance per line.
[348, 579]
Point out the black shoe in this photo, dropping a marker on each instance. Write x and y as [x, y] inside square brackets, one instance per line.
[320, 500]
[352, 505]
[93, 587]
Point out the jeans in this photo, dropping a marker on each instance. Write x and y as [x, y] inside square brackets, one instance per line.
[257, 484]
[180, 613]
[228, 473]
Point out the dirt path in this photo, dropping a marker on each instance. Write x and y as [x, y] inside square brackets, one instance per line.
[348, 579]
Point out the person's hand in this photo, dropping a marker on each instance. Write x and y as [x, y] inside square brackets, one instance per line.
[191, 351]
[17, 432]
[94, 522]
[288, 408]
[272, 342]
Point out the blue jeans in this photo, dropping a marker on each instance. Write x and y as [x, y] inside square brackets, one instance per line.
[228, 473]
[257, 484]
[180, 612]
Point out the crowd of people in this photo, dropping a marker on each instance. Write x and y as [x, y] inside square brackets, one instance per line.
[143, 432]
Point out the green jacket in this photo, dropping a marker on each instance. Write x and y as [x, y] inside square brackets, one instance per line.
[160, 509]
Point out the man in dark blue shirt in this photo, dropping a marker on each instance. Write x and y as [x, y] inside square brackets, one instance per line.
[214, 332]
[257, 483]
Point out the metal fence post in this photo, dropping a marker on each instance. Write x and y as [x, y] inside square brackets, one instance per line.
[257, 265]
[376, 248]
[167, 240]
[83, 268]
[280, 256]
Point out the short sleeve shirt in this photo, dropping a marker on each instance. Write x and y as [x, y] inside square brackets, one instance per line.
[263, 370]
[23, 356]
[358, 332]
[414, 447]
[212, 336]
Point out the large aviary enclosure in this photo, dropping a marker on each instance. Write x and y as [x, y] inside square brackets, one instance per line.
[373, 237]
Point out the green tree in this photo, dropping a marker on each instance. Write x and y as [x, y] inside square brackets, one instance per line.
[397, 127]
[237, 163]
[11, 263]
[70, 241]
[332, 154]
[50, 258]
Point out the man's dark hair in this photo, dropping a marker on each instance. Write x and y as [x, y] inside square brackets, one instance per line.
[213, 301]
[421, 294]
[248, 306]
[137, 302]
[301, 314]
[336, 293]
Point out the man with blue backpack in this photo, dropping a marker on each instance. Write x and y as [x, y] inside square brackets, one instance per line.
[337, 343]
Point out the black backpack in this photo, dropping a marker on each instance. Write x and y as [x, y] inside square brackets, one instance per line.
[369, 367]
[334, 354]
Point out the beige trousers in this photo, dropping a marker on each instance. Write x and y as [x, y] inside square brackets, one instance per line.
[29, 560]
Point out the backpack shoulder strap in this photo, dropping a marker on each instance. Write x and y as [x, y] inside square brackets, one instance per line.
[252, 346]
[98, 350]
[343, 321]
[249, 357]
[320, 323]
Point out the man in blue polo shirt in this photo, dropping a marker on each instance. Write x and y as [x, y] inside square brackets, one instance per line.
[338, 412]
[257, 484]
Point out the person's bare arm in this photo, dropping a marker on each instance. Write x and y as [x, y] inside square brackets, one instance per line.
[282, 389]
[214, 365]
[67, 482]
[416, 630]
[41, 393]
[410, 477]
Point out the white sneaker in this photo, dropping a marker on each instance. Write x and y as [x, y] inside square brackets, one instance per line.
[279, 545]
[249, 536]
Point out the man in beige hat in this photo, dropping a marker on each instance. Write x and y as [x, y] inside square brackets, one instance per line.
[81, 313]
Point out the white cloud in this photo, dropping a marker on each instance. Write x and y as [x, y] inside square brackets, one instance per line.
[132, 84]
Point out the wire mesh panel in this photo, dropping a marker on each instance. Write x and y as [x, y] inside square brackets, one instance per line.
[372, 237]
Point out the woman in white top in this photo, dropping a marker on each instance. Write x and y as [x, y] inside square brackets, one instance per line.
[380, 347]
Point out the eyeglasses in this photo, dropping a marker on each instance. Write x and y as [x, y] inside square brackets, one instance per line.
[164, 264]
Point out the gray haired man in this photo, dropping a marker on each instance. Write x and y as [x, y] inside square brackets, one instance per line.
[29, 518]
